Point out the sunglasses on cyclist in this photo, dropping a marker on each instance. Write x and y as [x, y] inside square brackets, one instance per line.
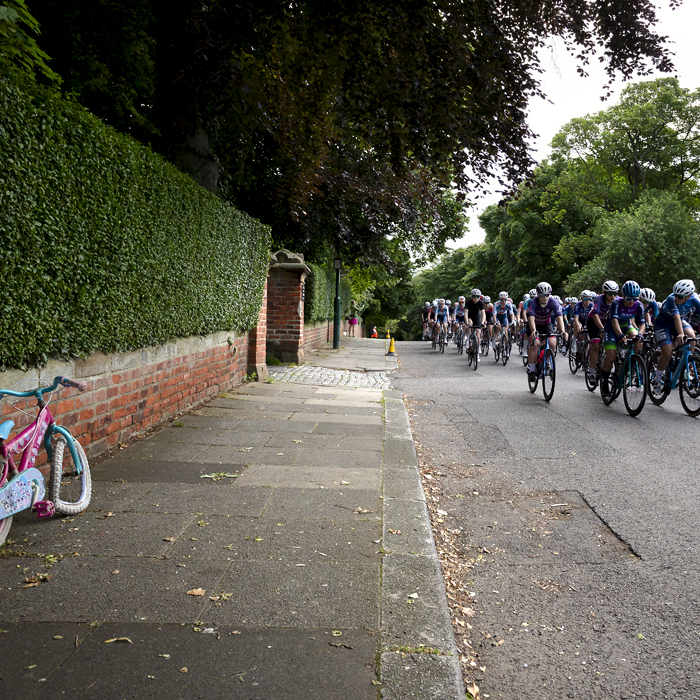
[631, 298]
[679, 296]
[475, 296]
[544, 295]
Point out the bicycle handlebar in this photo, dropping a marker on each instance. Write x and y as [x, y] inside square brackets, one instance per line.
[38, 393]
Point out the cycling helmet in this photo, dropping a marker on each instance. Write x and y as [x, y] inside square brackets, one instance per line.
[503, 295]
[476, 292]
[684, 288]
[610, 287]
[487, 300]
[543, 288]
[427, 303]
[461, 299]
[557, 298]
[441, 301]
[435, 304]
[526, 297]
[574, 300]
[631, 289]
[448, 303]
[532, 293]
[647, 294]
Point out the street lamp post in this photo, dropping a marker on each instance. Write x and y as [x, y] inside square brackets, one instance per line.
[336, 313]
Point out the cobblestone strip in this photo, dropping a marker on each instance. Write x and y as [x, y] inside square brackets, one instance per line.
[332, 377]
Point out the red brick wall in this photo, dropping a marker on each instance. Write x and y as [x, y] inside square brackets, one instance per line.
[323, 333]
[119, 404]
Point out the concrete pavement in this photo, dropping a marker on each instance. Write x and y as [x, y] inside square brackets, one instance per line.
[273, 543]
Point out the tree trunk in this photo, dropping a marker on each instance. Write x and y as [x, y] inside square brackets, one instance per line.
[195, 157]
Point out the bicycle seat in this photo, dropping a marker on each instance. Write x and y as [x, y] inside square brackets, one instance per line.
[5, 429]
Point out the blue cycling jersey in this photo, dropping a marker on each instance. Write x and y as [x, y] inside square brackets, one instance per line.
[652, 308]
[669, 309]
[503, 311]
[581, 312]
[443, 314]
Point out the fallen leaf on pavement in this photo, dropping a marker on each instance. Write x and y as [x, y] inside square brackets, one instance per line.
[118, 639]
[168, 539]
[196, 591]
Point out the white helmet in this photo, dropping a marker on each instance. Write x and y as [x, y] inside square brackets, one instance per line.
[503, 295]
[647, 294]
[435, 303]
[543, 288]
[427, 303]
[441, 301]
[532, 293]
[487, 300]
[574, 300]
[476, 292]
[684, 288]
[610, 287]
[461, 300]
[526, 297]
[448, 302]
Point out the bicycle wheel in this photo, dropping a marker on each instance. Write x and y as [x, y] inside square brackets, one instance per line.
[533, 382]
[434, 342]
[442, 342]
[485, 342]
[460, 341]
[608, 387]
[70, 491]
[565, 346]
[549, 374]
[476, 354]
[505, 353]
[5, 525]
[657, 394]
[690, 386]
[497, 351]
[573, 362]
[470, 350]
[634, 385]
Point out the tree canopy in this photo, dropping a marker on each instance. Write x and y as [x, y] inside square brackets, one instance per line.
[336, 121]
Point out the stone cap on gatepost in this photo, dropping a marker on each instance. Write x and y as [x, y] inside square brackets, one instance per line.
[285, 260]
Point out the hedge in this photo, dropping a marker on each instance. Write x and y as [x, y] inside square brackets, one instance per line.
[319, 296]
[107, 246]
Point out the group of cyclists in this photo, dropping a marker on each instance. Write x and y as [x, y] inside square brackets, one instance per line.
[617, 317]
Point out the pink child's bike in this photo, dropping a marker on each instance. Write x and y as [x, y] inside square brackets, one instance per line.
[22, 487]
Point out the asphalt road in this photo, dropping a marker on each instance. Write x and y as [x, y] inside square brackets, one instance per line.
[586, 522]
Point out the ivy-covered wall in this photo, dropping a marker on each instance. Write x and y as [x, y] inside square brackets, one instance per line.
[105, 245]
[319, 297]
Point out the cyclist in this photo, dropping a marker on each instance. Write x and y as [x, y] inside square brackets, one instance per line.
[651, 308]
[504, 314]
[581, 311]
[442, 317]
[670, 326]
[425, 316]
[540, 312]
[490, 317]
[458, 316]
[596, 323]
[625, 319]
[476, 314]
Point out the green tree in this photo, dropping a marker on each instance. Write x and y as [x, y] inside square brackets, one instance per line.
[655, 243]
[18, 47]
[290, 103]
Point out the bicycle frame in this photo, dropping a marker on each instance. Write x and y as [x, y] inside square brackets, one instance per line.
[682, 364]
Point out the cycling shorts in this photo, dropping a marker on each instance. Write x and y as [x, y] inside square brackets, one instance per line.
[593, 331]
[476, 324]
[502, 319]
[460, 319]
[610, 340]
[665, 336]
[543, 329]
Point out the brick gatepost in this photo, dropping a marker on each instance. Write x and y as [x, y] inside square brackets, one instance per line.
[257, 343]
[285, 306]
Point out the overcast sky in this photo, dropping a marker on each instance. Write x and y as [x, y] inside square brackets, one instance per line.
[573, 96]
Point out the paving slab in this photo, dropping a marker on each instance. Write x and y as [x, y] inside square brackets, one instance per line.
[255, 539]
[209, 436]
[242, 454]
[309, 477]
[331, 504]
[328, 441]
[84, 589]
[344, 459]
[322, 594]
[207, 497]
[341, 428]
[155, 470]
[172, 661]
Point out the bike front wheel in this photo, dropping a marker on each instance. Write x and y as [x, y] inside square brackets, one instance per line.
[549, 375]
[70, 491]
[634, 386]
[690, 387]
[656, 394]
[573, 362]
